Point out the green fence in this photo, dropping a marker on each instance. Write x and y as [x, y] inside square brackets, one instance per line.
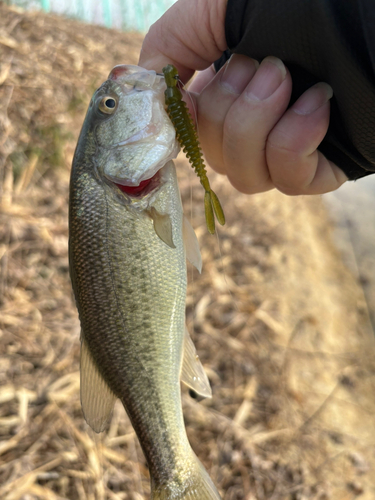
[128, 15]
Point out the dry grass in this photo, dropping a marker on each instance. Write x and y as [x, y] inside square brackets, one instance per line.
[279, 323]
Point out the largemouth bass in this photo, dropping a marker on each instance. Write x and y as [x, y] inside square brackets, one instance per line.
[127, 248]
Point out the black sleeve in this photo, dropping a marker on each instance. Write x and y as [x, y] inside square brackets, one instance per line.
[319, 40]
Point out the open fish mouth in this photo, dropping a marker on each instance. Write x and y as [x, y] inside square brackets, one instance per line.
[142, 189]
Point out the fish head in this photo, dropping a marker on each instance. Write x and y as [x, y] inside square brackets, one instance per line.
[133, 134]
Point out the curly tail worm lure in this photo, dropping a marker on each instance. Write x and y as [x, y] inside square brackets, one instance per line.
[188, 140]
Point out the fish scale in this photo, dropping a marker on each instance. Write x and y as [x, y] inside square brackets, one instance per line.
[128, 270]
[112, 316]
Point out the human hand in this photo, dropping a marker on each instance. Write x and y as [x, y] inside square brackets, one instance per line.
[245, 129]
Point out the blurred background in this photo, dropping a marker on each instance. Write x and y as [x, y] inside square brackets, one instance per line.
[282, 315]
[127, 15]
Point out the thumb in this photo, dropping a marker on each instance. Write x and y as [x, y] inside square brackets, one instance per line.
[190, 35]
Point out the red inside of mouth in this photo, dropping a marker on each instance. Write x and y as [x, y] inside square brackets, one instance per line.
[144, 187]
[134, 190]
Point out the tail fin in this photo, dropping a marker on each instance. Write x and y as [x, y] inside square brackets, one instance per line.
[194, 484]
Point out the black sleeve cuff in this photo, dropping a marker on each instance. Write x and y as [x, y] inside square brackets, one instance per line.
[319, 40]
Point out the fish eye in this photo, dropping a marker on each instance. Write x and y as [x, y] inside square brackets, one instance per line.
[108, 105]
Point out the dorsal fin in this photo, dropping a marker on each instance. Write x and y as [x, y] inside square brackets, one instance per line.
[192, 371]
[97, 399]
[193, 253]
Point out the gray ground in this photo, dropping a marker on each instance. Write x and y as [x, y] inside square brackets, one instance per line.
[352, 209]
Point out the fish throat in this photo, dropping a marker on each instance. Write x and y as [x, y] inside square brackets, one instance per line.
[144, 187]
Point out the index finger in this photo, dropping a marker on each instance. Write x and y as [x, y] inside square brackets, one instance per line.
[190, 35]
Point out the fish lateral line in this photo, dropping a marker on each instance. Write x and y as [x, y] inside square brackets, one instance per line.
[188, 139]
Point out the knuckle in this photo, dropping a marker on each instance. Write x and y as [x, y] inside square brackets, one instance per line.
[284, 144]
[242, 187]
[288, 190]
[291, 178]
[216, 164]
[247, 186]
[289, 175]
[213, 157]
[290, 170]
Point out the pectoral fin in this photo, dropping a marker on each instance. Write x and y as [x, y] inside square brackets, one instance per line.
[97, 399]
[162, 226]
[193, 253]
[192, 371]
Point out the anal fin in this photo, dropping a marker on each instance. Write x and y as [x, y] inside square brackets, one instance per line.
[97, 399]
[192, 371]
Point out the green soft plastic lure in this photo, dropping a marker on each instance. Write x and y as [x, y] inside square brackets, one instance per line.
[188, 140]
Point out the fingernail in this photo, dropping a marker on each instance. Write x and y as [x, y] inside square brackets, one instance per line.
[237, 73]
[267, 79]
[313, 99]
